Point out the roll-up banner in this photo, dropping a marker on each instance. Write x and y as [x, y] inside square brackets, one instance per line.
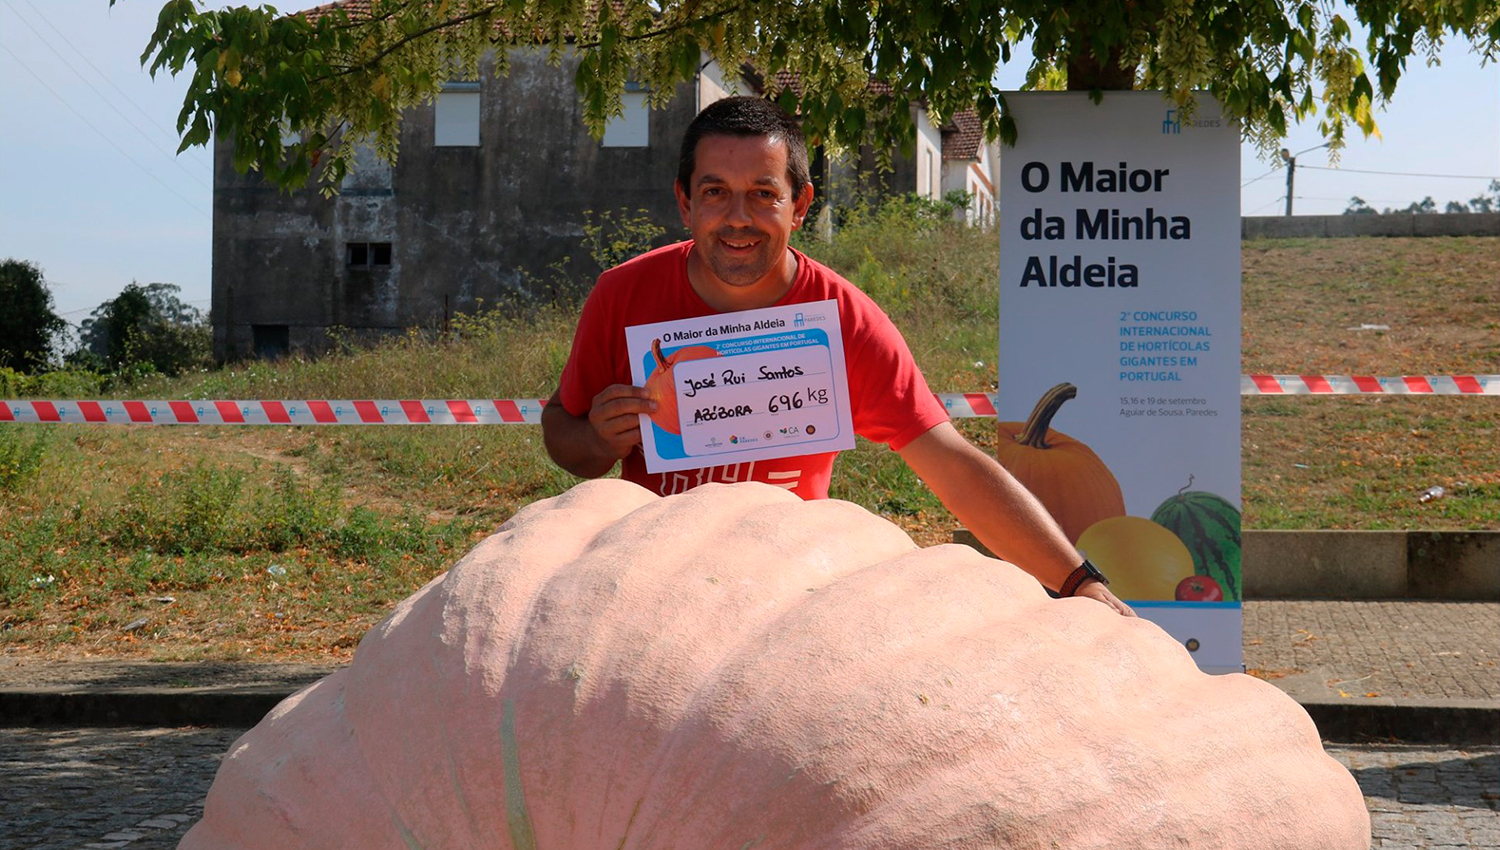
[1120, 346]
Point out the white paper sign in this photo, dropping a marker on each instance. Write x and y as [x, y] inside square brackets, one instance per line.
[738, 387]
[1120, 274]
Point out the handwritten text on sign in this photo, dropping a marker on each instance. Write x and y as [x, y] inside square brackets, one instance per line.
[752, 385]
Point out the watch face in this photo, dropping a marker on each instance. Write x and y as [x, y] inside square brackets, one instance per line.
[1093, 571]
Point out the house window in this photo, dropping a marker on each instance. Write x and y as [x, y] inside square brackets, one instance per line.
[456, 116]
[363, 255]
[633, 128]
[270, 341]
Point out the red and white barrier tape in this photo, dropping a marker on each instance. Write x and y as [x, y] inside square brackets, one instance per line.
[529, 411]
[1366, 385]
[261, 412]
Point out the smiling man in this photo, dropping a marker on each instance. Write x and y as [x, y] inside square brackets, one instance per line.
[742, 188]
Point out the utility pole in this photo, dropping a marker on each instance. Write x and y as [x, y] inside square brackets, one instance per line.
[1291, 171]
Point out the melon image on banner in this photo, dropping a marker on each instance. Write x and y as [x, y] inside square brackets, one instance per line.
[734, 667]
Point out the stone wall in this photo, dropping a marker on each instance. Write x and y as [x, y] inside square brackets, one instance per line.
[1391, 224]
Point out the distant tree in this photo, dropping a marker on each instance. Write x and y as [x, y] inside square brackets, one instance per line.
[1357, 206]
[146, 327]
[1422, 207]
[1455, 207]
[1487, 202]
[28, 326]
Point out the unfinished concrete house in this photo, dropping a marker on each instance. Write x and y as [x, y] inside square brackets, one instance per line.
[486, 201]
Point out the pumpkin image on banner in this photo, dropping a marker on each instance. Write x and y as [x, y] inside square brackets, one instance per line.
[733, 667]
[1064, 474]
[662, 387]
[1210, 528]
[1141, 559]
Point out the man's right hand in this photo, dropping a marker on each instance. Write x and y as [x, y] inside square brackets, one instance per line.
[590, 446]
[615, 417]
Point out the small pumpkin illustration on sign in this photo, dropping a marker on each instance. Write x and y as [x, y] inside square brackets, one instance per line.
[661, 385]
[1064, 474]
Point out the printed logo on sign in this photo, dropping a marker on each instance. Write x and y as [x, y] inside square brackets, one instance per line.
[799, 321]
[811, 430]
[1172, 125]
[768, 435]
[734, 440]
[713, 443]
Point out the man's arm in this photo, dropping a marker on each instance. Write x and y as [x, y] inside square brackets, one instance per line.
[1001, 512]
[589, 446]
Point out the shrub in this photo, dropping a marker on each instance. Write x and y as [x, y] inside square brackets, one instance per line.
[21, 455]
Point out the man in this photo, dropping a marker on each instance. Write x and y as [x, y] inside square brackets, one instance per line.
[742, 188]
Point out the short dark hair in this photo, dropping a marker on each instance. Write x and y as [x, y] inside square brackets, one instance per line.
[745, 116]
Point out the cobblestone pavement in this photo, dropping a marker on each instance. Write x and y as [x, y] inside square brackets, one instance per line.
[98, 788]
[1399, 650]
[142, 788]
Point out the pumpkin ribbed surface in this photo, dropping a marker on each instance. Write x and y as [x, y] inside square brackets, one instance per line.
[733, 667]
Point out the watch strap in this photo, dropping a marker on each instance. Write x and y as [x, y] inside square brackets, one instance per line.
[1075, 579]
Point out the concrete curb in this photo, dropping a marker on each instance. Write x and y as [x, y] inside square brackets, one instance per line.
[1447, 722]
[137, 707]
[1450, 722]
[1448, 565]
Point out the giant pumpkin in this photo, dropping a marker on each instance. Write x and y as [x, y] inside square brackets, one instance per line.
[1065, 475]
[733, 667]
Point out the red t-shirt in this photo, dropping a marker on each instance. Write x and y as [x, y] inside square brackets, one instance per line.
[889, 399]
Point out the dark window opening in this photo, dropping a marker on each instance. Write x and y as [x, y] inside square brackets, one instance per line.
[270, 341]
[366, 254]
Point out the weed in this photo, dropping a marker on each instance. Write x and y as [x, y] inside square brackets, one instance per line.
[21, 455]
[183, 511]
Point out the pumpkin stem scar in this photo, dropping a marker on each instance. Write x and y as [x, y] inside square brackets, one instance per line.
[1035, 432]
[521, 835]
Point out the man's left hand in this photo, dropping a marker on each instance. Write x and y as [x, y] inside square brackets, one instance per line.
[1098, 590]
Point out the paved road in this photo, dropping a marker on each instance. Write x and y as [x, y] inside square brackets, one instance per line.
[141, 788]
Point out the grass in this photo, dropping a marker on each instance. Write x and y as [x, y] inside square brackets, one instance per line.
[291, 542]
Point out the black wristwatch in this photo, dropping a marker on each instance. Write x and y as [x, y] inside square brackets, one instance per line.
[1075, 580]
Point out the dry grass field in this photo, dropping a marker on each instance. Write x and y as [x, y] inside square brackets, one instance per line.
[278, 542]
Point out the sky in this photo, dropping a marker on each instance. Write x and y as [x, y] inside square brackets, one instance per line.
[91, 190]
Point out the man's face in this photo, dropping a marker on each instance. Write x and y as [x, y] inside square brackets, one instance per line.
[740, 208]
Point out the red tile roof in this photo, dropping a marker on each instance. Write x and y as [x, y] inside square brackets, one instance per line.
[962, 136]
[355, 8]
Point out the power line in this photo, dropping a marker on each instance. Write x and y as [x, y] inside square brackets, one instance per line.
[111, 142]
[106, 99]
[1262, 177]
[105, 77]
[1263, 206]
[1403, 173]
[1361, 197]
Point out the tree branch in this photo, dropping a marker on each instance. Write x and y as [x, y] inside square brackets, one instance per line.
[408, 39]
[670, 28]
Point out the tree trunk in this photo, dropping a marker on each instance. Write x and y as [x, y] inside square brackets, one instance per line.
[1086, 72]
